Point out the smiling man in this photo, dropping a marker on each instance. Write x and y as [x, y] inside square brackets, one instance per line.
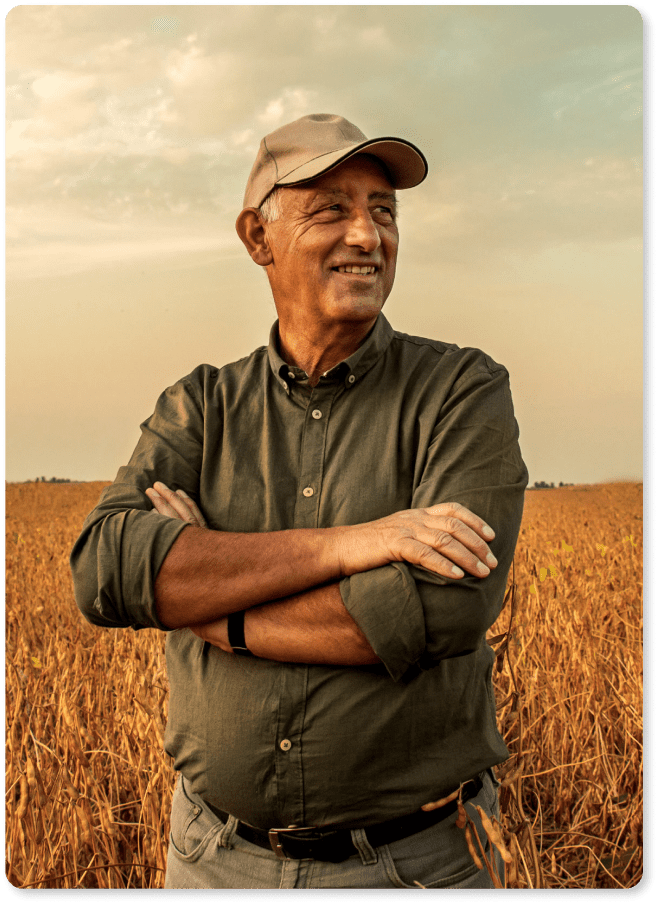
[324, 529]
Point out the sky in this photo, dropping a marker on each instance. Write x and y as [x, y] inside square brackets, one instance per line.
[131, 131]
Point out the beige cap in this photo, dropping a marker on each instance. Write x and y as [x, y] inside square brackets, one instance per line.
[312, 145]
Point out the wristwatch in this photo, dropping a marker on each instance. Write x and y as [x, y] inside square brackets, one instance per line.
[236, 634]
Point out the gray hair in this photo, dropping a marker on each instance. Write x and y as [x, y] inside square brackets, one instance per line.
[270, 209]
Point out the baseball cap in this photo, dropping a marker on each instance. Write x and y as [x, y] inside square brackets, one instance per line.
[310, 146]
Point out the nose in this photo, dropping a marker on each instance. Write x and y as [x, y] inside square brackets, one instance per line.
[362, 232]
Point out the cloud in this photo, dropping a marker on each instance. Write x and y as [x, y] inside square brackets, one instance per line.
[286, 107]
[67, 242]
[161, 114]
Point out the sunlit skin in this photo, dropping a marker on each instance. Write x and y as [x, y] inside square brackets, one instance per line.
[346, 218]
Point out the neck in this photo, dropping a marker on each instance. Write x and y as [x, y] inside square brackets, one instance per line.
[318, 350]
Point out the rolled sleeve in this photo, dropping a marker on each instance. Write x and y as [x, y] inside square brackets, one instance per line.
[124, 541]
[413, 617]
[386, 605]
[115, 562]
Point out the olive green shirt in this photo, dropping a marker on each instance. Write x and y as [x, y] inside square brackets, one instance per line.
[404, 422]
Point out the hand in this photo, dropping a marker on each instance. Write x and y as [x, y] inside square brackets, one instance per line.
[179, 505]
[444, 539]
[215, 632]
[175, 505]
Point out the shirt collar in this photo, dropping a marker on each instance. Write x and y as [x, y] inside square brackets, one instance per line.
[349, 370]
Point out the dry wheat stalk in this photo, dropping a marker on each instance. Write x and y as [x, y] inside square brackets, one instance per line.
[88, 786]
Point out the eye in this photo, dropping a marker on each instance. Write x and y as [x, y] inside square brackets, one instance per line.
[329, 212]
[385, 213]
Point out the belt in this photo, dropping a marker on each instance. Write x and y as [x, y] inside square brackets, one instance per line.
[336, 845]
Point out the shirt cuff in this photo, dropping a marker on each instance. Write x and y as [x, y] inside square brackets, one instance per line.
[386, 606]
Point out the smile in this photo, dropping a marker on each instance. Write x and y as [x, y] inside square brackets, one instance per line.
[353, 268]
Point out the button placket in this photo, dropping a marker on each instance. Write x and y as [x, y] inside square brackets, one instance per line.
[316, 423]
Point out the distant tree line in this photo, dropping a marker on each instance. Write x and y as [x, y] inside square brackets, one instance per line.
[53, 480]
[542, 485]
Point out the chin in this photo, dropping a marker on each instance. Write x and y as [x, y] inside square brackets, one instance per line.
[358, 309]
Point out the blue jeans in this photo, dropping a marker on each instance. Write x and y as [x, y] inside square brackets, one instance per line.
[206, 853]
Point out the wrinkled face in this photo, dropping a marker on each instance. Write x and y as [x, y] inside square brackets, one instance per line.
[334, 247]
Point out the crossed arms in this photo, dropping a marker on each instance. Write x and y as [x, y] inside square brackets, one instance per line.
[288, 581]
[380, 590]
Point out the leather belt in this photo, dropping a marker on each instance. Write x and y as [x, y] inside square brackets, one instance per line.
[336, 845]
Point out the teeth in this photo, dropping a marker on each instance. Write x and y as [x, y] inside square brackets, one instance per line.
[352, 268]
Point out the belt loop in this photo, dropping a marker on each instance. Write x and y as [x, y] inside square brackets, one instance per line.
[226, 834]
[366, 851]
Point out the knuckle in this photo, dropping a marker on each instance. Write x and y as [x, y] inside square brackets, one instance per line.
[443, 538]
[426, 556]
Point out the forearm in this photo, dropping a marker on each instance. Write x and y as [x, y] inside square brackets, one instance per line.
[312, 627]
[209, 574]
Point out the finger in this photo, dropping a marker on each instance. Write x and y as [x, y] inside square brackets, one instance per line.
[161, 505]
[455, 539]
[430, 532]
[470, 539]
[193, 507]
[466, 515]
[172, 504]
[425, 556]
[449, 547]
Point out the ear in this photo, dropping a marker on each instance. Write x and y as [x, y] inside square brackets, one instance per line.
[252, 234]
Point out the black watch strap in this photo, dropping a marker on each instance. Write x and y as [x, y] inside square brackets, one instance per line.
[236, 634]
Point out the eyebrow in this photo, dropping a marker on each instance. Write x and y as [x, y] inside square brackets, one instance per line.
[388, 196]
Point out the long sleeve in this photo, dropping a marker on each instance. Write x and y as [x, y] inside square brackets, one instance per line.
[123, 541]
[410, 616]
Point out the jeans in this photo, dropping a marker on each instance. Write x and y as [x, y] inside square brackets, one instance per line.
[206, 853]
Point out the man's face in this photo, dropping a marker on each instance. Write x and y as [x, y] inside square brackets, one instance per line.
[334, 246]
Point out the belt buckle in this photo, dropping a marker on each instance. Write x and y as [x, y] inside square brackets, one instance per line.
[277, 844]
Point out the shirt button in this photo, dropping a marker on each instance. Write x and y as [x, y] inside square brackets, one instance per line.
[307, 491]
[317, 414]
[285, 744]
[291, 375]
[351, 378]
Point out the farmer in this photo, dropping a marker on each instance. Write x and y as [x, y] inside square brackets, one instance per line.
[324, 529]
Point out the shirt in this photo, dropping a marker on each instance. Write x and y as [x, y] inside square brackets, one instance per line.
[404, 422]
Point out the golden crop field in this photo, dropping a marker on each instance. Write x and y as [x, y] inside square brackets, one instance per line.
[88, 785]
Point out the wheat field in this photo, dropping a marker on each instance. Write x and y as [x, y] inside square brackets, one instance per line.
[88, 785]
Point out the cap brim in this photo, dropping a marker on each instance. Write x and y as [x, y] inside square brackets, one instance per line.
[405, 163]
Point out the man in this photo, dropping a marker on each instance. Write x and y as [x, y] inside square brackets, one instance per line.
[318, 550]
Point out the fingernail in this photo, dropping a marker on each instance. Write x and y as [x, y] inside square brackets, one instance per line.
[492, 560]
[488, 532]
[482, 569]
[458, 573]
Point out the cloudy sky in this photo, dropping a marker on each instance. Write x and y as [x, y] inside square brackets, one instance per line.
[132, 129]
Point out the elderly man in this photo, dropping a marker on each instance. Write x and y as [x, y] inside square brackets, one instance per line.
[324, 528]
